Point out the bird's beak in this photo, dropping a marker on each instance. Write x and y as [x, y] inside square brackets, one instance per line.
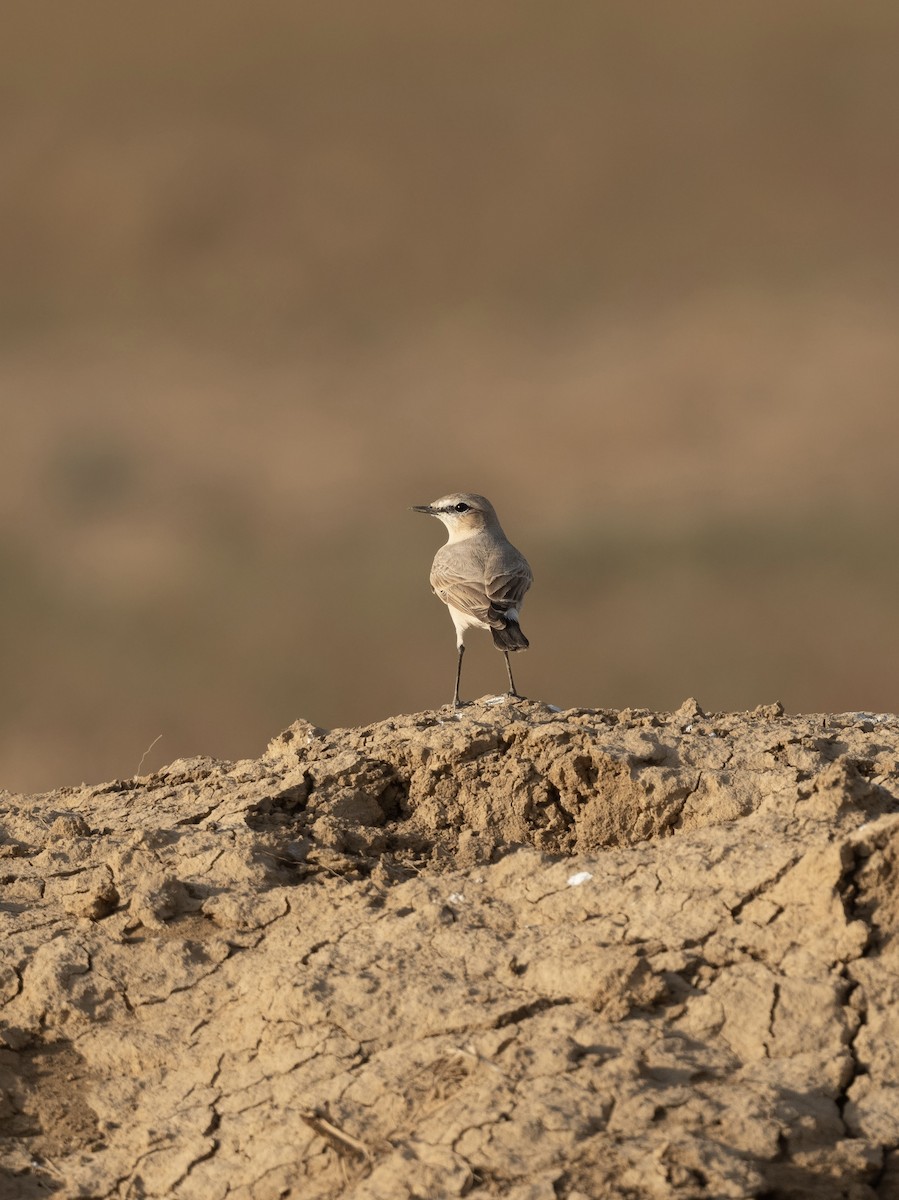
[425, 508]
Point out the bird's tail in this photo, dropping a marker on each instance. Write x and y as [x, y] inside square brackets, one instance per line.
[510, 636]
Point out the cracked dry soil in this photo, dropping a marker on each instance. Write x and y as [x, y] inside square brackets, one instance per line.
[522, 954]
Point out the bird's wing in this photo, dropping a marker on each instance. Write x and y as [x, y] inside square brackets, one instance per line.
[465, 595]
[507, 581]
[487, 600]
[507, 588]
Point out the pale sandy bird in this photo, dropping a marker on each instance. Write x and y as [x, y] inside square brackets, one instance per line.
[479, 575]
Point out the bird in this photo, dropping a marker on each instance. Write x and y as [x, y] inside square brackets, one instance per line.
[479, 576]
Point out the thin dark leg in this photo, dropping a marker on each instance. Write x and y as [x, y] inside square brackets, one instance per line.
[512, 690]
[456, 701]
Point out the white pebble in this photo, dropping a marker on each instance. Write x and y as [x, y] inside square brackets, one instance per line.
[579, 878]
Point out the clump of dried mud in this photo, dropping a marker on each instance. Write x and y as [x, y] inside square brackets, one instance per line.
[519, 953]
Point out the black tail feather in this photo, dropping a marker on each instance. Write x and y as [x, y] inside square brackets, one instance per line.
[510, 637]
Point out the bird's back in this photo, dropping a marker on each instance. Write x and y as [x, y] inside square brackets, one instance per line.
[487, 560]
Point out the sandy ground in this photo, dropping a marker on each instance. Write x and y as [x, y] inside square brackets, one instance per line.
[522, 953]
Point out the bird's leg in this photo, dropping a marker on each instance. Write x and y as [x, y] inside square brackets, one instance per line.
[512, 689]
[456, 701]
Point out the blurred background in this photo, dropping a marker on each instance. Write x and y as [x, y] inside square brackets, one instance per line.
[271, 272]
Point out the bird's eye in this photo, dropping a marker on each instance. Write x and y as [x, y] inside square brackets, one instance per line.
[462, 508]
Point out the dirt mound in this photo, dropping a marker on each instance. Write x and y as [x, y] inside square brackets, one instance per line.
[514, 953]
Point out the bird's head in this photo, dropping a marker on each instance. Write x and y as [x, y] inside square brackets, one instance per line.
[463, 513]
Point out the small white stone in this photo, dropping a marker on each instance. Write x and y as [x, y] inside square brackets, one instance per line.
[579, 878]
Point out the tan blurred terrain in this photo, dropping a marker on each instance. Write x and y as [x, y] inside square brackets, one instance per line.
[271, 273]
